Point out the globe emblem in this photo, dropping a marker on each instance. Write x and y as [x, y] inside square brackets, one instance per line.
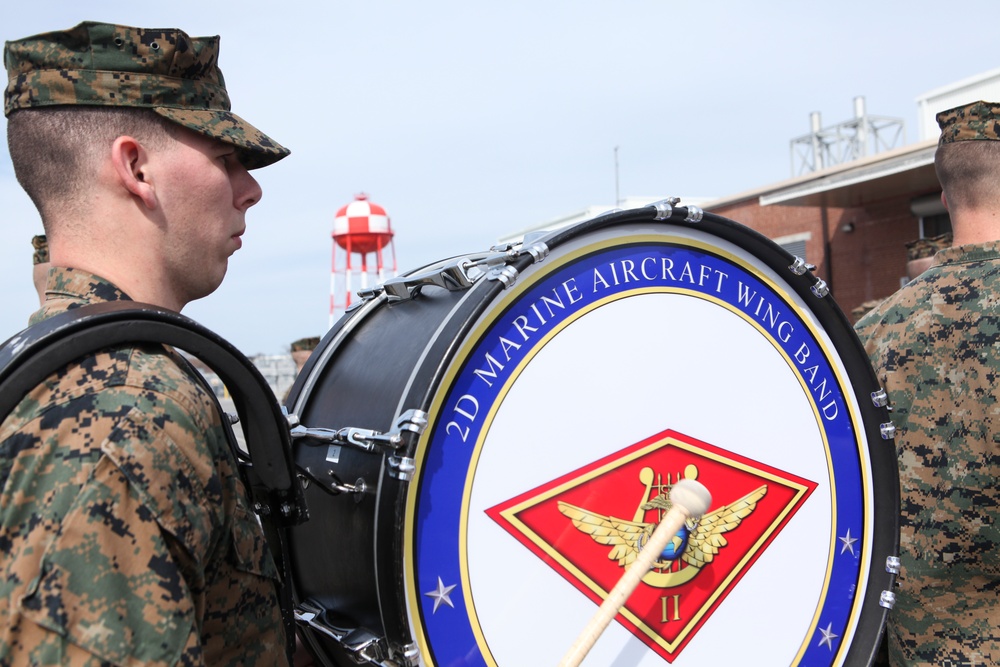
[675, 547]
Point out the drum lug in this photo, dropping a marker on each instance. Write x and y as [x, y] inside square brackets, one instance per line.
[820, 288]
[411, 655]
[880, 399]
[530, 245]
[498, 263]
[800, 266]
[665, 210]
[506, 276]
[892, 564]
[888, 430]
[402, 467]
[887, 599]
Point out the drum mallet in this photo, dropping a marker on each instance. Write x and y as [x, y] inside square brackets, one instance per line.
[689, 499]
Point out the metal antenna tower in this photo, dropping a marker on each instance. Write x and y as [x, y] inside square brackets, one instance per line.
[851, 140]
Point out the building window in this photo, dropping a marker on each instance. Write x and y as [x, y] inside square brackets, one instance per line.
[933, 216]
[935, 225]
[797, 248]
[794, 243]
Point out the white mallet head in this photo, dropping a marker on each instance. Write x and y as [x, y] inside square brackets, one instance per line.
[692, 496]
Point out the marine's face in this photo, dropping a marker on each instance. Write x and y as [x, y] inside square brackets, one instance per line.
[204, 198]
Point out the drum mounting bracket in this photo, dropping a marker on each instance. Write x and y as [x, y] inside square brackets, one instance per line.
[461, 273]
[453, 276]
[411, 421]
[363, 644]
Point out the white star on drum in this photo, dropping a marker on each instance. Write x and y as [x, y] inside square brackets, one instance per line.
[848, 542]
[441, 595]
[828, 636]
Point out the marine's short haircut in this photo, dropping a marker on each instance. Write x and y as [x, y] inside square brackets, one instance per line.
[969, 173]
[55, 150]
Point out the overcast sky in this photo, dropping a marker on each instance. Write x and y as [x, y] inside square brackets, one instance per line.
[469, 120]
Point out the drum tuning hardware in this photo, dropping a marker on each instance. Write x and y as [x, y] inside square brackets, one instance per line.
[892, 565]
[880, 398]
[360, 438]
[665, 208]
[412, 421]
[233, 418]
[531, 244]
[363, 644]
[333, 485]
[402, 467]
[506, 276]
[411, 654]
[887, 599]
[453, 276]
[460, 273]
[799, 266]
[694, 214]
[358, 488]
[888, 430]
[820, 289]
[536, 249]
[501, 255]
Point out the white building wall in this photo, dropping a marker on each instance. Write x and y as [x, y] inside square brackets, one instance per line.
[985, 86]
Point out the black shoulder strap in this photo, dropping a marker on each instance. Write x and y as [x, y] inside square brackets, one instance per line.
[35, 353]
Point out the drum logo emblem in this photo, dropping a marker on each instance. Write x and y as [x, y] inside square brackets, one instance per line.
[696, 544]
[590, 524]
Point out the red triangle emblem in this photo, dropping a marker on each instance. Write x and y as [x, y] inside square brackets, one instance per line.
[588, 525]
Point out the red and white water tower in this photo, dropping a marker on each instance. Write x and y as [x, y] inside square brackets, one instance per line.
[360, 229]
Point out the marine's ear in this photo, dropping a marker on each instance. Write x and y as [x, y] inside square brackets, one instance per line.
[130, 162]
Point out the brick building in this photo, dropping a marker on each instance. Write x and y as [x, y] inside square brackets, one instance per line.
[868, 223]
[852, 221]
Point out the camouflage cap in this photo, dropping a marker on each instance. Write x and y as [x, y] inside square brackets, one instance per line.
[307, 344]
[41, 245]
[978, 121]
[165, 70]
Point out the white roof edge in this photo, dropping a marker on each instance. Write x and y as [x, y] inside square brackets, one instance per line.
[957, 85]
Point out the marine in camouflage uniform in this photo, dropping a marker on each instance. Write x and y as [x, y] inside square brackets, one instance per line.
[935, 346]
[126, 535]
[125, 531]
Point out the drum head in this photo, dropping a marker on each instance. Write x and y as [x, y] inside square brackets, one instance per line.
[636, 355]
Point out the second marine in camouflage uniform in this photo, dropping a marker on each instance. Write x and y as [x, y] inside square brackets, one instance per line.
[935, 346]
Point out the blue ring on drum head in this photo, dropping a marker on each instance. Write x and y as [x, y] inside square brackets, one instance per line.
[441, 505]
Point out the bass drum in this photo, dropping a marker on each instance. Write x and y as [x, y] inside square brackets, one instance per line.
[502, 431]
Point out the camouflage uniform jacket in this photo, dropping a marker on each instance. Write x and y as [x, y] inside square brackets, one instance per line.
[125, 533]
[935, 346]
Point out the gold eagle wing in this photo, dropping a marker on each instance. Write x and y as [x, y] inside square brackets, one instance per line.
[624, 537]
[707, 535]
